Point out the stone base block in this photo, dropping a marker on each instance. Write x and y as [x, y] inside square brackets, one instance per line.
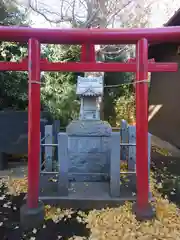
[143, 214]
[31, 218]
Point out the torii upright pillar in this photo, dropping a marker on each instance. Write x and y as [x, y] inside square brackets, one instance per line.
[142, 207]
[32, 213]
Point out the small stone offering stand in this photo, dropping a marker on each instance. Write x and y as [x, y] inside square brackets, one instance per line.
[89, 156]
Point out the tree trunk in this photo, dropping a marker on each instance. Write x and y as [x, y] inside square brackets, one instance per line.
[101, 23]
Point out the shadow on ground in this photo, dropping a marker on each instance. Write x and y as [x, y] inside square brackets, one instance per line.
[167, 175]
[10, 229]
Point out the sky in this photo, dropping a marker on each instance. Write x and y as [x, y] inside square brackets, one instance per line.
[161, 12]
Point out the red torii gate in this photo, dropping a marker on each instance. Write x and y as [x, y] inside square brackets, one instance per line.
[87, 38]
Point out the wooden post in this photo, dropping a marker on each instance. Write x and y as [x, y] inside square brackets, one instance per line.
[33, 122]
[142, 125]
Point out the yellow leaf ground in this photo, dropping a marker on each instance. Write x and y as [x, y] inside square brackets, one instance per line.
[120, 223]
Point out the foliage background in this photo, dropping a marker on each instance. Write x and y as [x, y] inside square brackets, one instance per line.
[58, 89]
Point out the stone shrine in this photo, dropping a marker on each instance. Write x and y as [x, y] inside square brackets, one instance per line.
[89, 137]
[89, 89]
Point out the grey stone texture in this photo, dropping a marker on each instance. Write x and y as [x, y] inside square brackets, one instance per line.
[143, 214]
[115, 165]
[48, 149]
[89, 149]
[32, 217]
[63, 164]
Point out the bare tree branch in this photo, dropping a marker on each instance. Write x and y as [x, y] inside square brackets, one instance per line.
[91, 18]
[45, 12]
[118, 11]
[97, 13]
[92, 14]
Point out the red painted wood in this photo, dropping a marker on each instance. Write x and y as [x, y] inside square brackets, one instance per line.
[88, 53]
[92, 36]
[33, 123]
[142, 124]
[88, 67]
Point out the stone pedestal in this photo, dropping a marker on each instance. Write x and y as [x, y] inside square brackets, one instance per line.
[32, 217]
[89, 150]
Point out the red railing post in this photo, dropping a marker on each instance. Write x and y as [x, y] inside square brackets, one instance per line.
[143, 208]
[33, 122]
